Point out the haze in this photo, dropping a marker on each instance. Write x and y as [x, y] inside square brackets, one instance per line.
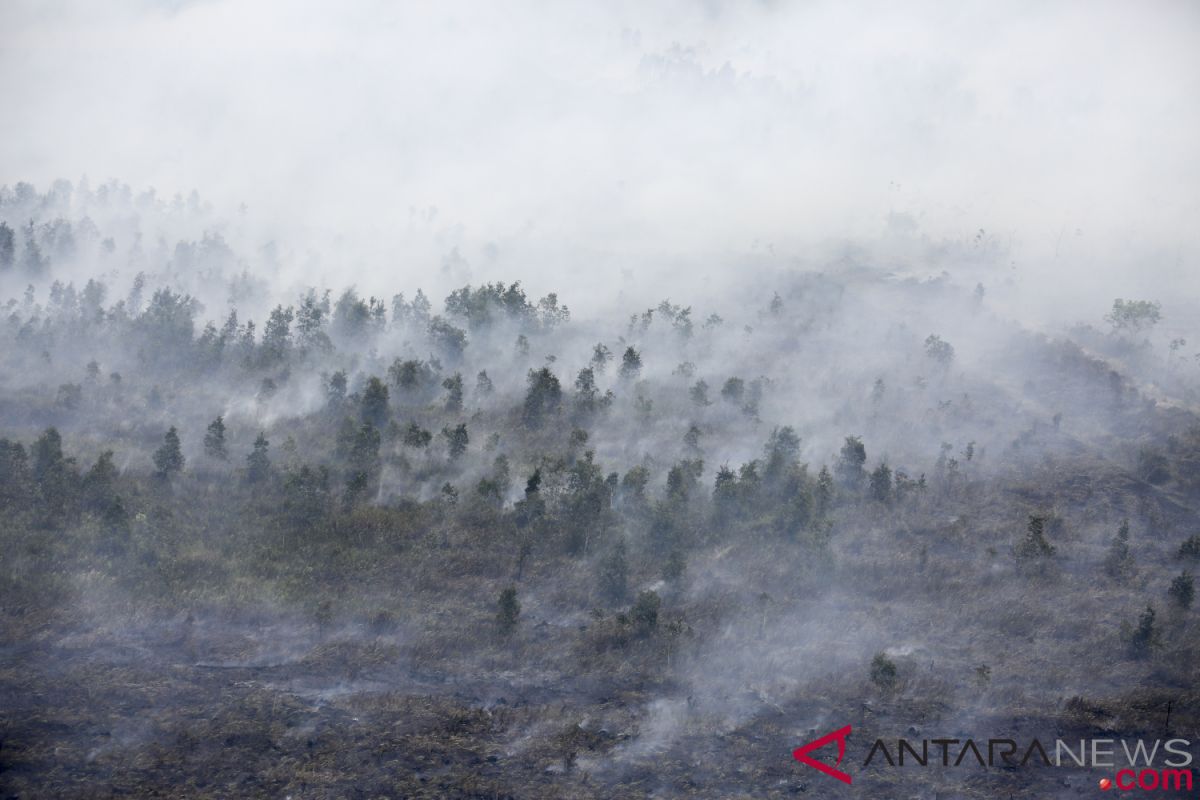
[578, 142]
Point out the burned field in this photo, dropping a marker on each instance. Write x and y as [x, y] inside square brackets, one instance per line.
[487, 548]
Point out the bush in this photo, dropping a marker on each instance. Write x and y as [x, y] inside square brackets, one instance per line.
[883, 672]
[1183, 590]
[509, 609]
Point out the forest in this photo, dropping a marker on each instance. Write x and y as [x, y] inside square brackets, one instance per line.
[264, 538]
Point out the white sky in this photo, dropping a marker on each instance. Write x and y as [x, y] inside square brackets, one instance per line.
[627, 131]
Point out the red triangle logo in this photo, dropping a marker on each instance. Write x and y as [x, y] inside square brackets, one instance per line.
[801, 754]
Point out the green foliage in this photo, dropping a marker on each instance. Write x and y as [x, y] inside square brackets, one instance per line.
[939, 350]
[883, 673]
[374, 408]
[850, 462]
[454, 393]
[543, 398]
[881, 483]
[631, 364]
[644, 613]
[1190, 549]
[1183, 590]
[734, 390]
[1119, 562]
[168, 459]
[214, 440]
[1145, 638]
[456, 440]
[1035, 546]
[258, 463]
[1133, 315]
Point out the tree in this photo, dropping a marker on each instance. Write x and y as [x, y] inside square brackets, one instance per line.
[644, 613]
[1145, 637]
[417, 437]
[699, 393]
[883, 672]
[100, 490]
[1190, 549]
[336, 391]
[508, 609]
[454, 392]
[601, 355]
[1133, 315]
[631, 364]
[168, 459]
[214, 440]
[258, 463]
[456, 440]
[54, 475]
[586, 391]
[364, 450]
[375, 402]
[483, 384]
[850, 462]
[734, 390]
[881, 483]
[1119, 561]
[543, 398]
[823, 494]
[939, 350]
[7, 247]
[16, 480]
[1183, 590]
[277, 335]
[1034, 545]
[450, 340]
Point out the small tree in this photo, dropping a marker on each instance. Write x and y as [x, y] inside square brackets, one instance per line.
[543, 399]
[881, 483]
[214, 440]
[336, 389]
[1190, 549]
[644, 613]
[375, 402]
[850, 462]
[168, 459]
[454, 393]
[1034, 546]
[1183, 590]
[417, 437]
[1119, 561]
[601, 355]
[823, 495]
[1145, 638]
[456, 439]
[939, 350]
[883, 672]
[508, 610]
[258, 463]
[1133, 315]
[631, 364]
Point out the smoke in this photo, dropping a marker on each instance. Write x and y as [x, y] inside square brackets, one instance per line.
[620, 144]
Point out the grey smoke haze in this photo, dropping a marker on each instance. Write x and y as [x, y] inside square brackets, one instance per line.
[570, 143]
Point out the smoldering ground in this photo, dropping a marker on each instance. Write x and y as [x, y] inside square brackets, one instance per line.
[767, 353]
